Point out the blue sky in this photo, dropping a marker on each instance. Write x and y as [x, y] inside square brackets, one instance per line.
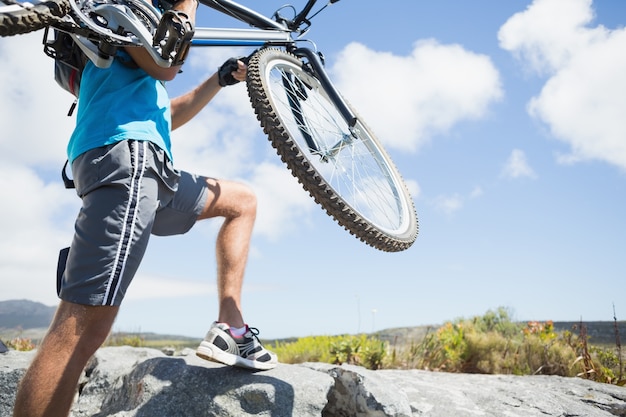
[506, 118]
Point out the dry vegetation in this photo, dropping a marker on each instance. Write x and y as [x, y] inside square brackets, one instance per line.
[489, 344]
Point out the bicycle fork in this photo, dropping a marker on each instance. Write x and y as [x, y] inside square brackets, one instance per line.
[322, 76]
[348, 115]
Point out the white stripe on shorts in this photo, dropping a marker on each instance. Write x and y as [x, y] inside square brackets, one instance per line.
[129, 221]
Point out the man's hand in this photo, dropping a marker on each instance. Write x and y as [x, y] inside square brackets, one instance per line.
[232, 71]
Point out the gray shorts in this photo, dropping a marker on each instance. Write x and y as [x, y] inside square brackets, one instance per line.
[129, 190]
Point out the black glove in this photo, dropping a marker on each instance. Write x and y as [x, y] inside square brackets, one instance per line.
[224, 73]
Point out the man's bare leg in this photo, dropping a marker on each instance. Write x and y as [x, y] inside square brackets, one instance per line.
[76, 332]
[237, 204]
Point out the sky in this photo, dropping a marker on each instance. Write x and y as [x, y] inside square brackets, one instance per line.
[506, 118]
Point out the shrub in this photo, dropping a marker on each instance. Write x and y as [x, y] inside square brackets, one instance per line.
[124, 339]
[488, 344]
[494, 344]
[354, 350]
[306, 349]
[606, 365]
[21, 343]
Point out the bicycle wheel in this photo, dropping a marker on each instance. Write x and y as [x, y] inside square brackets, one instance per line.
[346, 171]
[18, 18]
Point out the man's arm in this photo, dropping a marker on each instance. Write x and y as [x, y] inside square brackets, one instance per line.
[185, 107]
[145, 61]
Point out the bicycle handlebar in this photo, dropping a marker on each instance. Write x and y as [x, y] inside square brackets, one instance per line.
[302, 16]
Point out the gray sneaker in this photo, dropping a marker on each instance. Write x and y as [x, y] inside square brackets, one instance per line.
[246, 351]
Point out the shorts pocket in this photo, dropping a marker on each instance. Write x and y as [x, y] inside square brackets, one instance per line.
[102, 166]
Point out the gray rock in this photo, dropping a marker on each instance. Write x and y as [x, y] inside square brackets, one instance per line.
[359, 392]
[13, 365]
[134, 382]
[439, 394]
[148, 383]
[104, 372]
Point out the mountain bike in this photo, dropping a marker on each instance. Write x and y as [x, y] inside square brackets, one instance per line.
[324, 143]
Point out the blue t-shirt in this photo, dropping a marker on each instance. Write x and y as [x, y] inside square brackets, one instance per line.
[118, 103]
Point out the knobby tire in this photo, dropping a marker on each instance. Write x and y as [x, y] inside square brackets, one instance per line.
[29, 19]
[293, 147]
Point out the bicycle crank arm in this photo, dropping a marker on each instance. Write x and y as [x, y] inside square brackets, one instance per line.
[121, 18]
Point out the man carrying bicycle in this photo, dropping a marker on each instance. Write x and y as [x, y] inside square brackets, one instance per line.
[122, 166]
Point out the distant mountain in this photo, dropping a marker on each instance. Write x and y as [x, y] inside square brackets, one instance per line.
[25, 314]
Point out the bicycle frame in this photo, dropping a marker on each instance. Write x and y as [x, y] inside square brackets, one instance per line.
[268, 32]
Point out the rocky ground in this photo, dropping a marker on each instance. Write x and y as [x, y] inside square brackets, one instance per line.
[140, 382]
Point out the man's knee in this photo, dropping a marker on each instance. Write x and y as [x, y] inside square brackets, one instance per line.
[229, 199]
[241, 199]
[248, 200]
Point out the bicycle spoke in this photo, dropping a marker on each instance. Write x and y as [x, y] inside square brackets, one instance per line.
[343, 160]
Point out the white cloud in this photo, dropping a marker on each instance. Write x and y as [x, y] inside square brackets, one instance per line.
[146, 286]
[219, 142]
[476, 192]
[548, 33]
[33, 109]
[283, 204]
[408, 99]
[517, 166]
[584, 100]
[448, 204]
[414, 188]
[208, 60]
[37, 213]
[36, 222]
